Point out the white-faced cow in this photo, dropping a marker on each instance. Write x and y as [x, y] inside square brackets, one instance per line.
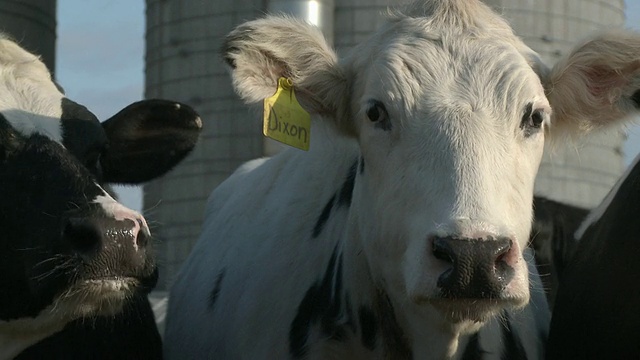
[69, 252]
[401, 232]
[596, 312]
[553, 241]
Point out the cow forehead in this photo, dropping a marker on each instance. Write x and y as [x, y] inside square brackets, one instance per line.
[29, 100]
[416, 67]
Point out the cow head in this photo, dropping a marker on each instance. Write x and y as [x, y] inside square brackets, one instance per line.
[67, 247]
[450, 111]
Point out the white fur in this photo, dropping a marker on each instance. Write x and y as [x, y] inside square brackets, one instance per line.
[455, 82]
[29, 99]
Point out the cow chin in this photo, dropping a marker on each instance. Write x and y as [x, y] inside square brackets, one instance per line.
[474, 310]
[471, 311]
[104, 295]
[96, 297]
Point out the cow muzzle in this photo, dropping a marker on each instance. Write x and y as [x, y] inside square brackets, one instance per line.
[87, 234]
[479, 268]
[110, 247]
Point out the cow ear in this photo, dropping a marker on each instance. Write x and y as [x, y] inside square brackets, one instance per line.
[597, 84]
[259, 52]
[147, 139]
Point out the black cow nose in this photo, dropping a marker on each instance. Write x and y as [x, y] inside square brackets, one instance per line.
[479, 267]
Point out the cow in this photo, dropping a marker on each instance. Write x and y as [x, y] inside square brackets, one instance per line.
[72, 258]
[402, 231]
[552, 239]
[596, 312]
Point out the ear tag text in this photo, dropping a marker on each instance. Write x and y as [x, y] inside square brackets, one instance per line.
[284, 119]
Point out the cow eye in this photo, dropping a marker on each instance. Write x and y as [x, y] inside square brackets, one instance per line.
[377, 113]
[532, 120]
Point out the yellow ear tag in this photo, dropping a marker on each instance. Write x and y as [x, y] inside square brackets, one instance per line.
[284, 119]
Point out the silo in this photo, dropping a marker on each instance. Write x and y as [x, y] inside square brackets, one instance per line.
[32, 23]
[182, 63]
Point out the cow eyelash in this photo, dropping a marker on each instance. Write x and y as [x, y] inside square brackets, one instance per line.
[377, 113]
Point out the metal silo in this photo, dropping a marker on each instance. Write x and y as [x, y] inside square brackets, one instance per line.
[182, 62]
[32, 23]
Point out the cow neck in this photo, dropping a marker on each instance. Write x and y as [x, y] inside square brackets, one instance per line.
[404, 330]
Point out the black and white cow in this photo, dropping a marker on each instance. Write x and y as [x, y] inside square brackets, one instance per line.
[596, 313]
[553, 241]
[71, 255]
[401, 233]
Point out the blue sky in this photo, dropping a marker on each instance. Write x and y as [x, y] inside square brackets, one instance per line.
[100, 61]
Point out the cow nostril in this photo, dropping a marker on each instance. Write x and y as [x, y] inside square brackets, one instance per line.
[502, 251]
[142, 239]
[442, 250]
[83, 235]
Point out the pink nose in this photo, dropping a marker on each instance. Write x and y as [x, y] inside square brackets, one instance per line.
[139, 231]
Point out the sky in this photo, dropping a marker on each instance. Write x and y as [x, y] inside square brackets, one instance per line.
[100, 62]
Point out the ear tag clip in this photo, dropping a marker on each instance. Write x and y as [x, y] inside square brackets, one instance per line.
[284, 119]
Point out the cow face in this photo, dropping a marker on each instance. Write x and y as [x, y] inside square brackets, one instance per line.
[451, 129]
[68, 248]
[450, 114]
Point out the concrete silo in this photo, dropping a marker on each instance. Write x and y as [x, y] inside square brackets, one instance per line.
[182, 62]
[32, 23]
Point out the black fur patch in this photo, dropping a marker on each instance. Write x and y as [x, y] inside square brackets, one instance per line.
[346, 192]
[473, 351]
[351, 320]
[341, 198]
[369, 326]
[396, 344]
[513, 349]
[213, 295]
[322, 306]
[361, 165]
[324, 216]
